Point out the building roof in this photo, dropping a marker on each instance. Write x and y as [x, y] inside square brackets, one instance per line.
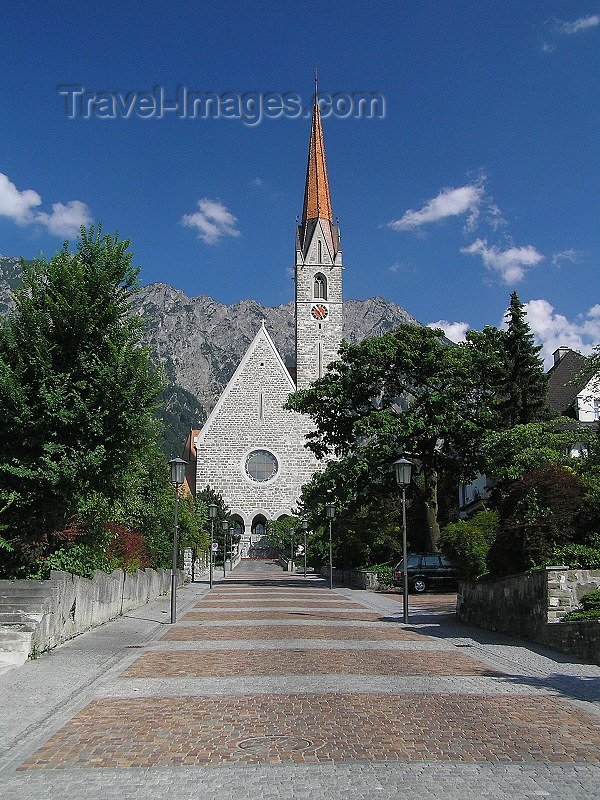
[561, 392]
[317, 200]
[316, 212]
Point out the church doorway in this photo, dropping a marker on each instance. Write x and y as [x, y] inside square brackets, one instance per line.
[259, 546]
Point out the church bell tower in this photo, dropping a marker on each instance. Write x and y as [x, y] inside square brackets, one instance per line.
[318, 274]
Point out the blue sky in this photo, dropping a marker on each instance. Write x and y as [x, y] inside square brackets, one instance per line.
[481, 176]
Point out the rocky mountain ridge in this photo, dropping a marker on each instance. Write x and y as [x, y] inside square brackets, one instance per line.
[199, 342]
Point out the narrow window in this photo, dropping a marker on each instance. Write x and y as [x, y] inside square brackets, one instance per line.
[320, 287]
[261, 406]
[320, 259]
[320, 360]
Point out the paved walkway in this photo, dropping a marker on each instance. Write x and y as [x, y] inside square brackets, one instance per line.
[272, 686]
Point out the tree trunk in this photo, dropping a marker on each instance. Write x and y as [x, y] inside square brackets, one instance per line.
[431, 507]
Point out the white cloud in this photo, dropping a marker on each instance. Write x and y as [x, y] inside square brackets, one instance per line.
[212, 221]
[581, 24]
[455, 331]
[510, 264]
[20, 206]
[65, 220]
[553, 330]
[448, 203]
[17, 205]
[566, 255]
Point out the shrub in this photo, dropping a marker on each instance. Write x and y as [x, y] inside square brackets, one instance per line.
[574, 556]
[540, 512]
[590, 608]
[466, 543]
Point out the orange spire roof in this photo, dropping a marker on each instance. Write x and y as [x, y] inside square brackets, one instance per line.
[317, 201]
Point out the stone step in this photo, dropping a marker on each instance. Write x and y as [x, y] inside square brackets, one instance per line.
[15, 645]
[20, 617]
[34, 592]
[25, 607]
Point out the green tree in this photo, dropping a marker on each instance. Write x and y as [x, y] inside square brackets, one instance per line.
[524, 389]
[406, 391]
[76, 387]
[510, 454]
[279, 534]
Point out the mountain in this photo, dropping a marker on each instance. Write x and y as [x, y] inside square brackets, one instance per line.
[199, 342]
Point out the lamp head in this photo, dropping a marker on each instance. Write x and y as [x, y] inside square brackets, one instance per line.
[177, 466]
[403, 469]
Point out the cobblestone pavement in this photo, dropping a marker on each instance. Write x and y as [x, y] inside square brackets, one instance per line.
[272, 686]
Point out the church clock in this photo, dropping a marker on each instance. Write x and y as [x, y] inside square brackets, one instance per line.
[319, 311]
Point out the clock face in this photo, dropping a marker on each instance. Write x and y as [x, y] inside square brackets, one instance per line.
[319, 311]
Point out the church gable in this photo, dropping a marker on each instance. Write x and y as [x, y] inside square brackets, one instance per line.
[251, 449]
[259, 386]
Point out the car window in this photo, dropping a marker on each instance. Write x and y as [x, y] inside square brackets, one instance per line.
[444, 562]
[413, 561]
[431, 561]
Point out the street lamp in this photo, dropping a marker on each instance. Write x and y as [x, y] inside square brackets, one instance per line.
[225, 527]
[212, 513]
[330, 513]
[403, 469]
[177, 466]
[304, 529]
[231, 532]
[292, 549]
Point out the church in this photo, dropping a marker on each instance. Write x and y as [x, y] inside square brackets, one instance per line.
[250, 449]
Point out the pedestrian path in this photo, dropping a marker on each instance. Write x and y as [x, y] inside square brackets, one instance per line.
[272, 686]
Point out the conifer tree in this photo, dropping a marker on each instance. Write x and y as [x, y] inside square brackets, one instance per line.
[525, 385]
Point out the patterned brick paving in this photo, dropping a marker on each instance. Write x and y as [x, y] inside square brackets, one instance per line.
[372, 632]
[168, 731]
[304, 602]
[340, 615]
[190, 663]
[164, 729]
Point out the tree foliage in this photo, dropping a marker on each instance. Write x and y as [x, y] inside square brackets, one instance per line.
[524, 390]
[544, 509]
[511, 453]
[466, 543]
[406, 391]
[76, 388]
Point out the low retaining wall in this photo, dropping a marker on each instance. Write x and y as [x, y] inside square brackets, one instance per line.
[357, 579]
[79, 604]
[531, 605]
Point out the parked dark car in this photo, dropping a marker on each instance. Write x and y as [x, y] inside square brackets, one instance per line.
[426, 571]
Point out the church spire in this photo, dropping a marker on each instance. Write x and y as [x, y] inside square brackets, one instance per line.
[317, 201]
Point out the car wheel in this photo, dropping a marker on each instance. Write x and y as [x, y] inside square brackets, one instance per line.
[419, 585]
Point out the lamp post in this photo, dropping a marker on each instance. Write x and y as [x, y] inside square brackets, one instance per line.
[292, 549]
[231, 532]
[212, 513]
[304, 529]
[403, 469]
[330, 513]
[225, 527]
[177, 466]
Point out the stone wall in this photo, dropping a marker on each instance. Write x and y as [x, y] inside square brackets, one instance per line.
[79, 604]
[357, 579]
[531, 605]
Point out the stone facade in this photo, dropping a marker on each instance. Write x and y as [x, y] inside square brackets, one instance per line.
[319, 310]
[249, 417]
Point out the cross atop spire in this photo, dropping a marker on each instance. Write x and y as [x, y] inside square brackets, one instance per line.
[317, 201]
